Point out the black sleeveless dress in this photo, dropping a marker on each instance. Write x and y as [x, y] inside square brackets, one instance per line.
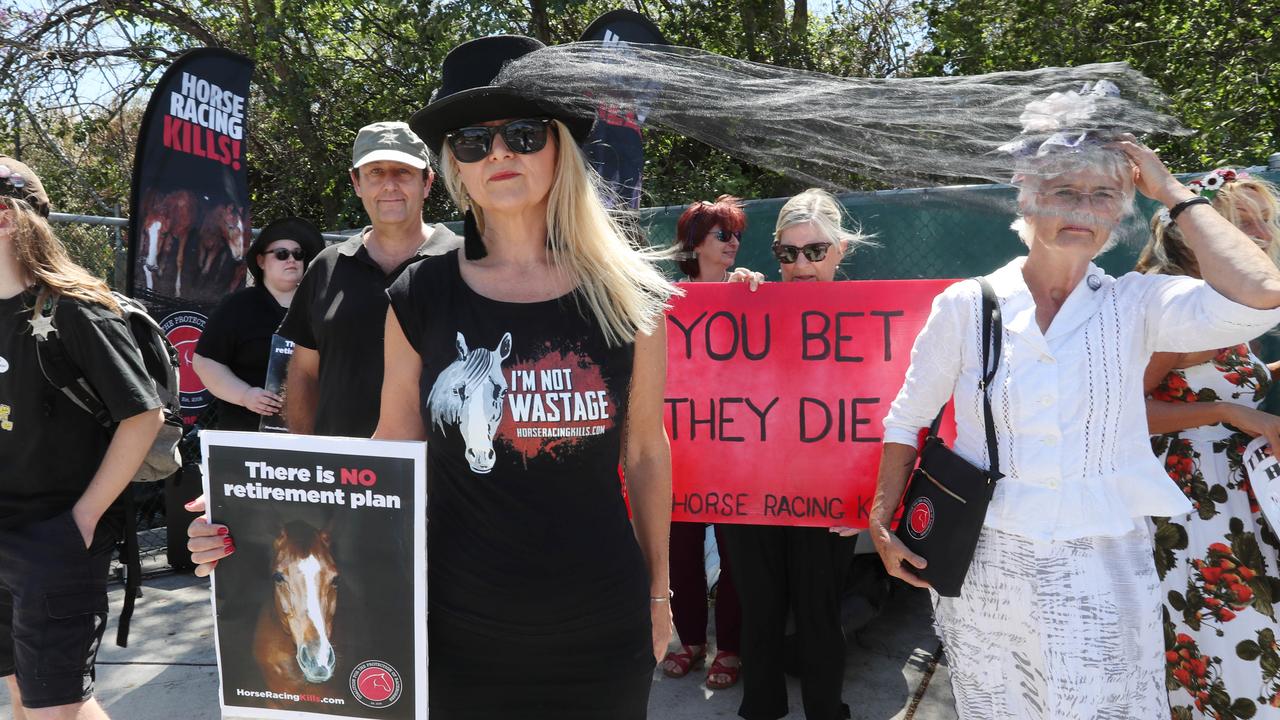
[538, 590]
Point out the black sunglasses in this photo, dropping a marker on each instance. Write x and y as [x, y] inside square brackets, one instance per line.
[813, 252]
[283, 254]
[472, 144]
[723, 236]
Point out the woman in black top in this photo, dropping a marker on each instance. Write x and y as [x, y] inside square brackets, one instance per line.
[61, 472]
[534, 366]
[231, 357]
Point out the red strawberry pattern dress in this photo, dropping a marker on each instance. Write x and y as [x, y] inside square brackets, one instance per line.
[1218, 565]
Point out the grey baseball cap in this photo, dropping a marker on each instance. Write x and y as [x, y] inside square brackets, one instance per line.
[389, 141]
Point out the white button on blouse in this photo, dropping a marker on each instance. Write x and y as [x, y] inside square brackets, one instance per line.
[1070, 415]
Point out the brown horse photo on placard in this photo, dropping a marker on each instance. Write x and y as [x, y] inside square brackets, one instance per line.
[293, 642]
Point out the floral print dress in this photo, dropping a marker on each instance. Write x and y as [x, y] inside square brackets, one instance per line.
[1217, 565]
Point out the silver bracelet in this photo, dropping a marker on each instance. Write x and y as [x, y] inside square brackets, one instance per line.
[667, 599]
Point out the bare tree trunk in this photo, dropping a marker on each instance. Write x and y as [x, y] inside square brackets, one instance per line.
[750, 30]
[541, 27]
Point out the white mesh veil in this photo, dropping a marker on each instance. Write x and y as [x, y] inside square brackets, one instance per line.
[824, 130]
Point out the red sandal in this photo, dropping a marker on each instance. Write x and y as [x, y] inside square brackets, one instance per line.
[719, 669]
[678, 664]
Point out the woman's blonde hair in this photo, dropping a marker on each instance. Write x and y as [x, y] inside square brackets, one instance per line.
[1166, 252]
[43, 259]
[821, 209]
[617, 278]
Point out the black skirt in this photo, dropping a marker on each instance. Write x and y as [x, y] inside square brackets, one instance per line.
[582, 674]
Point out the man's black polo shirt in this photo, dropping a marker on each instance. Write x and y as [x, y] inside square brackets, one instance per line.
[340, 311]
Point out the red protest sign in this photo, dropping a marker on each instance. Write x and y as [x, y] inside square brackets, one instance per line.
[775, 398]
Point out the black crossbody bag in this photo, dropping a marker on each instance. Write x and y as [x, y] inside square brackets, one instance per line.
[946, 501]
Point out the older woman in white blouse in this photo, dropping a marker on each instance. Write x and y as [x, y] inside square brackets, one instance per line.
[1059, 616]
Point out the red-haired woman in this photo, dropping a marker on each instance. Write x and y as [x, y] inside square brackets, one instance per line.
[707, 239]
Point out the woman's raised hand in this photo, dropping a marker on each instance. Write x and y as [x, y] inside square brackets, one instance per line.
[1150, 176]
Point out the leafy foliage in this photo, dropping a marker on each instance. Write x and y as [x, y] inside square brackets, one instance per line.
[1217, 59]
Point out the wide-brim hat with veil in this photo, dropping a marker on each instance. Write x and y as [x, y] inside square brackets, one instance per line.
[467, 95]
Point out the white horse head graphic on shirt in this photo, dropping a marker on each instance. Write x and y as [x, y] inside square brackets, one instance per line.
[469, 394]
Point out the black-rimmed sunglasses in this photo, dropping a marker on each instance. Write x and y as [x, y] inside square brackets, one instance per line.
[813, 252]
[472, 144]
[725, 237]
[283, 254]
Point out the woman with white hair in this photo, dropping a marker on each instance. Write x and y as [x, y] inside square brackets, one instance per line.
[796, 569]
[1059, 614]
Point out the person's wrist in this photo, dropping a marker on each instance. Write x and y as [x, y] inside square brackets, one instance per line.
[1227, 412]
[244, 396]
[84, 515]
[661, 597]
[880, 530]
[1173, 194]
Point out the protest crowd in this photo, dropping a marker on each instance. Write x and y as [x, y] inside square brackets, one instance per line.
[1089, 536]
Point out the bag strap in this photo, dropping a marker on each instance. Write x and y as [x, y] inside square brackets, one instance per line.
[992, 345]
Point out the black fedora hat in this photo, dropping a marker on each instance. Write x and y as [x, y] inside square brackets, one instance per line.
[291, 228]
[466, 95]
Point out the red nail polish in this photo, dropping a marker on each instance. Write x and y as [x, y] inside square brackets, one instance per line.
[228, 542]
[231, 548]
[224, 531]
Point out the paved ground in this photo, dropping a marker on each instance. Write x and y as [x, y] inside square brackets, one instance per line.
[168, 669]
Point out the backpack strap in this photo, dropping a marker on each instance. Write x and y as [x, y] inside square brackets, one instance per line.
[131, 557]
[57, 366]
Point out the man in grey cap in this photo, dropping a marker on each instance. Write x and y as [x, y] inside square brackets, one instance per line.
[337, 316]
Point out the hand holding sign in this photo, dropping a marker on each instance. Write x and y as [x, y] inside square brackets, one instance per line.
[1255, 423]
[208, 542]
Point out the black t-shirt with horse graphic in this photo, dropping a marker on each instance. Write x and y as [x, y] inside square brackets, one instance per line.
[524, 405]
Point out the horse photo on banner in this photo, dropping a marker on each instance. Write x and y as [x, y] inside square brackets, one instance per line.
[321, 612]
[776, 398]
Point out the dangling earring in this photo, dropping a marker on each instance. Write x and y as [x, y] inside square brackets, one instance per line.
[472, 244]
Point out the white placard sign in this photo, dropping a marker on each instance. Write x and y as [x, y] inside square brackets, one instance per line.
[1264, 476]
[321, 610]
